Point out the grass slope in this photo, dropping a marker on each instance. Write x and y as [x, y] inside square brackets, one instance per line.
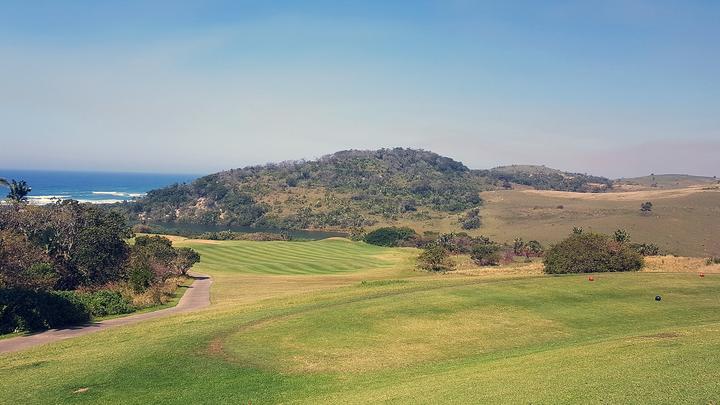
[667, 181]
[684, 222]
[317, 334]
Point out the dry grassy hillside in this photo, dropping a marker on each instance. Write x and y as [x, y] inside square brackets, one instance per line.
[684, 221]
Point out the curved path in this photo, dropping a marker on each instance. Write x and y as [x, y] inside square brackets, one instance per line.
[196, 297]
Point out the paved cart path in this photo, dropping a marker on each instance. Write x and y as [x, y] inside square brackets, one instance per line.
[196, 297]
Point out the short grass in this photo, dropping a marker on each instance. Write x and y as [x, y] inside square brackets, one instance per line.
[318, 334]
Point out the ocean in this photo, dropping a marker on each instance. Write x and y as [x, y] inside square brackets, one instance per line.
[92, 187]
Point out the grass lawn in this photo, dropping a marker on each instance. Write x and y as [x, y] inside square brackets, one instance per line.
[294, 322]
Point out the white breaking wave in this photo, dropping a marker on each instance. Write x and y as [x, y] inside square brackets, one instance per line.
[118, 193]
[99, 201]
[45, 199]
[49, 199]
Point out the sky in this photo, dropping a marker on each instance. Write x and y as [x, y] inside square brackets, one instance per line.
[613, 88]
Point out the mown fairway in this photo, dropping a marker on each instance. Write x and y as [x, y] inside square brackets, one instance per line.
[310, 331]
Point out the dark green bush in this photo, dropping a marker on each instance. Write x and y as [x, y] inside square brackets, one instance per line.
[389, 236]
[485, 254]
[712, 260]
[141, 276]
[27, 310]
[435, 258]
[590, 253]
[106, 302]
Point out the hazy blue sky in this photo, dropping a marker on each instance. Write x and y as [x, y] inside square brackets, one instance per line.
[616, 88]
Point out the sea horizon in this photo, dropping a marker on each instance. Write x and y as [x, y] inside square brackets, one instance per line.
[97, 187]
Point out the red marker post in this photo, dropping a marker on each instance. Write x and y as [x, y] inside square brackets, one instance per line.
[702, 274]
[591, 278]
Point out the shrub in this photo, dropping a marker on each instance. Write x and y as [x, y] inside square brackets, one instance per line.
[712, 260]
[471, 223]
[184, 260]
[389, 236]
[27, 310]
[142, 228]
[156, 294]
[485, 254]
[460, 242]
[646, 207]
[141, 275]
[591, 252]
[436, 259]
[646, 249]
[106, 302]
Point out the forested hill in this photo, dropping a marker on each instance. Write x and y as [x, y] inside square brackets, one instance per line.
[340, 191]
[545, 178]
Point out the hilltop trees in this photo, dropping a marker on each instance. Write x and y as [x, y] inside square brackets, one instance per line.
[357, 188]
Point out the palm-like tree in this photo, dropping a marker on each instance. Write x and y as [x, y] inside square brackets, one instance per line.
[18, 189]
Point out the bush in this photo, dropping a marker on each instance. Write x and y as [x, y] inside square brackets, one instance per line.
[106, 302]
[589, 253]
[646, 249]
[389, 236]
[712, 260]
[142, 228]
[436, 259]
[141, 276]
[471, 223]
[27, 310]
[485, 254]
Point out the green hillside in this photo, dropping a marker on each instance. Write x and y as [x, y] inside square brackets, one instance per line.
[545, 178]
[341, 191]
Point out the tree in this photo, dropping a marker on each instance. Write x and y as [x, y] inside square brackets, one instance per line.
[534, 248]
[621, 236]
[590, 253]
[518, 246]
[185, 259]
[18, 190]
[471, 223]
[485, 254]
[646, 249]
[86, 244]
[435, 258]
[389, 236]
[646, 207]
[156, 254]
[24, 265]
